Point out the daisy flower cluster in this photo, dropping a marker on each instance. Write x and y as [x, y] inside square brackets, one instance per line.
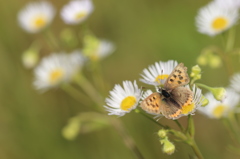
[38, 15]
[60, 66]
[124, 99]
[217, 16]
[221, 109]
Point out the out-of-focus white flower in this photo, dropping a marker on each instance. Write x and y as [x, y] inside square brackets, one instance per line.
[228, 4]
[36, 16]
[212, 19]
[104, 49]
[216, 109]
[96, 49]
[76, 11]
[235, 82]
[123, 99]
[157, 74]
[56, 69]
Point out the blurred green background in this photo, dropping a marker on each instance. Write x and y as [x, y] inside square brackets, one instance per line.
[144, 31]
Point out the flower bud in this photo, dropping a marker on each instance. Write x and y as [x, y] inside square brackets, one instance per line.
[168, 147]
[162, 133]
[91, 44]
[196, 70]
[215, 61]
[71, 130]
[205, 101]
[69, 38]
[196, 73]
[219, 93]
[202, 60]
[30, 58]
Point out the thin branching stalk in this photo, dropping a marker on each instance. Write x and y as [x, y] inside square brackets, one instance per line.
[179, 125]
[196, 149]
[127, 139]
[151, 119]
[89, 89]
[75, 93]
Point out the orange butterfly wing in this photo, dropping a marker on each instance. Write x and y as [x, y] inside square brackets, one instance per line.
[152, 103]
[178, 77]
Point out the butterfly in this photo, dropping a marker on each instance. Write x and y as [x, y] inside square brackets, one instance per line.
[170, 99]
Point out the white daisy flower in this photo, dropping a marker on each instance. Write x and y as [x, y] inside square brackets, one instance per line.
[76, 11]
[158, 73]
[146, 94]
[55, 70]
[212, 19]
[228, 4]
[190, 108]
[36, 16]
[123, 99]
[216, 109]
[235, 82]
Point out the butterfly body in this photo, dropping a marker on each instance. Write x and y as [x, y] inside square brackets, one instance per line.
[170, 99]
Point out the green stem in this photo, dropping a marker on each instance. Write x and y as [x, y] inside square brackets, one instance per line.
[234, 135]
[149, 118]
[196, 149]
[228, 63]
[190, 127]
[75, 93]
[190, 134]
[97, 76]
[89, 89]
[223, 40]
[229, 45]
[179, 135]
[230, 40]
[203, 86]
[128, 140]
[179, 125]
[52, 40]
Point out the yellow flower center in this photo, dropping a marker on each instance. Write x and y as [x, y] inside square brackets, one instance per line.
[80, 15]
[94, 57]
[39, 22]
[219, 111]
[161, 77]
[128, 103]
[186, 109]
[220, 23]
[56, 75]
